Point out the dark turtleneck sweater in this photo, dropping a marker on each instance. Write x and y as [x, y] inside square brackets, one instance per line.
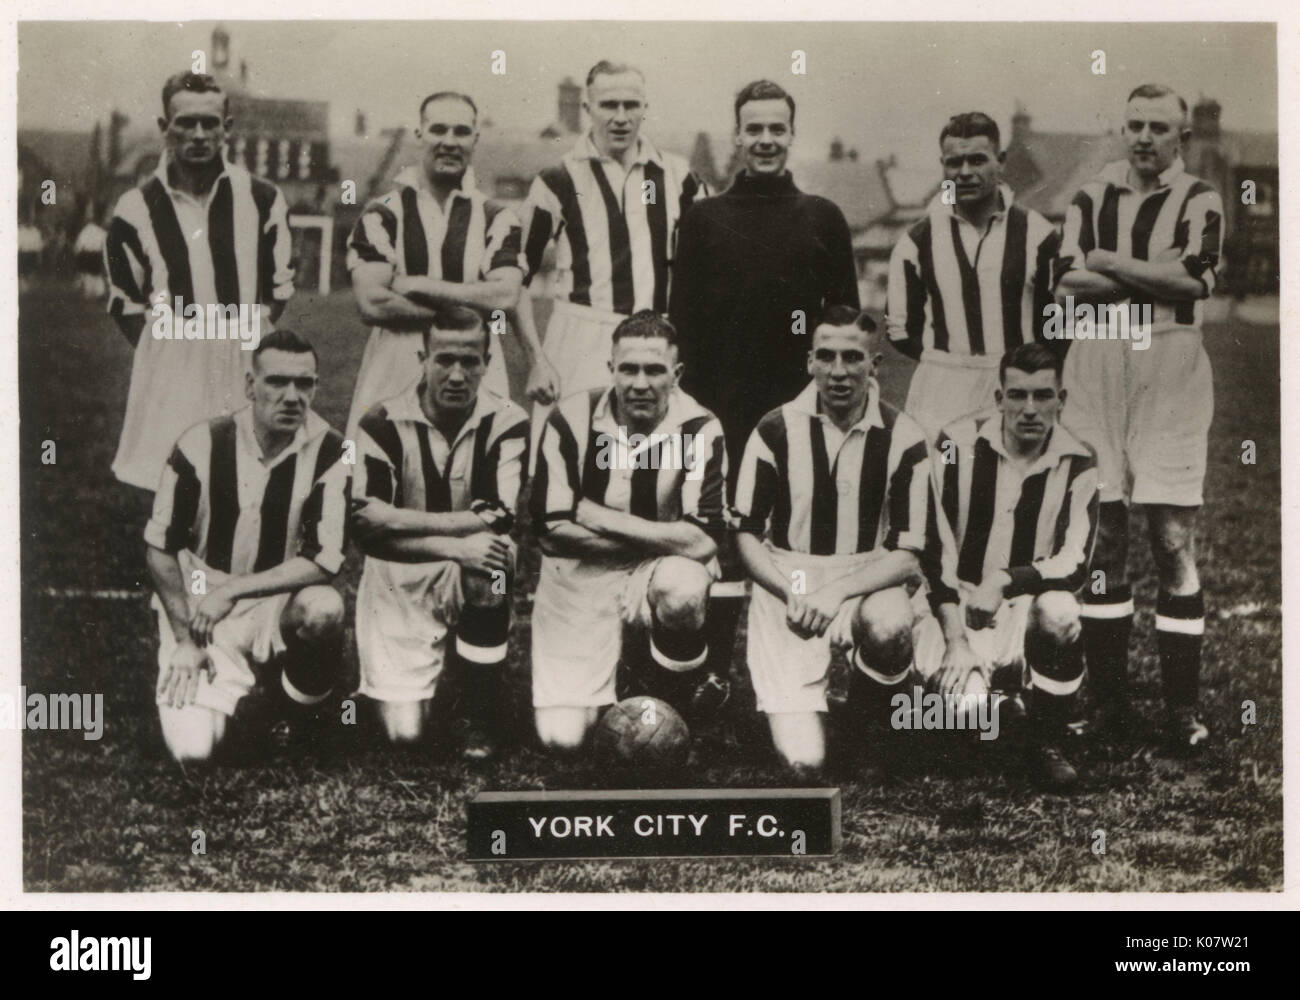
[746, 260]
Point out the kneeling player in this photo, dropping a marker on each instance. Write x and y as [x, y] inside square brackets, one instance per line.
[629, 490]
[832, 499]
[247, 530]
[442, 463]
[1013, 530]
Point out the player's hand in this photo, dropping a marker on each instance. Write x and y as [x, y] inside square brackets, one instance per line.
[179, 683]
[814, 611]
[543, 383]
[485, 552]
[959, 661]
[982, 605]
[210, 611]
[1100, 261]
[369, 515]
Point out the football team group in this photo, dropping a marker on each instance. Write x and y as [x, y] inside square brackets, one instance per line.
[707, 434]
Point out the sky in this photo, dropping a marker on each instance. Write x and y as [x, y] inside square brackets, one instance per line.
[884, 88]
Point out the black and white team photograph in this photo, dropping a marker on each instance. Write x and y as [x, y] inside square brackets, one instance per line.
[629, 456]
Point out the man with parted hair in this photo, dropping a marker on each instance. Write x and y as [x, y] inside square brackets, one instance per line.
[831, 506]
[1015, 516]
[628, 504]
[436, 240]
[970, 280]
[205, 232]
[1145, 234]
[611, 207]
[440, 468]
[248, 530]
[756, 268]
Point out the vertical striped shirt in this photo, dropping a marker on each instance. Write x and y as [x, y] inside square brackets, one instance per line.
[955, 288]
[614, 230]
[1038, 523]
[818, 490]
[231, 247]
[236, 514]
[678, 472]
[464, 241]
[1181, 220]
[406, 461]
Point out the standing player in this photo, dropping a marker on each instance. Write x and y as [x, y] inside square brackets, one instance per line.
[250, 512]
[756, 269]
[205, 232]
[1146, 233]
[832, 500]
[968, 282]
[628, 534]
[1009, 544]
[435, 240]
[611, 206]
[442, 463]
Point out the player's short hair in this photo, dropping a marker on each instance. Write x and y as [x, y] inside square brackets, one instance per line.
[284, 339]
[457, 318]
[646, 323]
[970, 124]
[763, 90]
[1030, 358]
[1154, 91]
[842, 315]
[607, 67]
[453, 95]
[195, 83]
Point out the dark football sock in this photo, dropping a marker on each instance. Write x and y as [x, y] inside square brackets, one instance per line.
[1180, 626]
[1055, 675]
[482, 642]
[871, 692]
[1107, 621]
[310, 670]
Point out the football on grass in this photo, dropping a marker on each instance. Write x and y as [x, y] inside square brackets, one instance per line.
[645, 732]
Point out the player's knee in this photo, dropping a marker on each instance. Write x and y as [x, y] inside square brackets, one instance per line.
[403, 722]
[563, 728]
[799, 739]
[1054, 616]
[882, 625]
[192, 734]
[679, 593]
[484, 590]
[315, 613]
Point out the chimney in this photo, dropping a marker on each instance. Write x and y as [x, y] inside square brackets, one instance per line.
[1205, 119]
[243, 73]
[359, 128]
[570, 106]
[1020, 124]
[837, 150]
[220, 48]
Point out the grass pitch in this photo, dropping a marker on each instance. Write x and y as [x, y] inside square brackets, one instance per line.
[118, 815]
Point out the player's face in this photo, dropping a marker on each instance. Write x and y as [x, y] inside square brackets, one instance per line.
[617, 105]
[449, 134]
[645, 371]
[1030, 403]
[1153, 132]
[764, 135]
[454, 365]
[196, 130]
[281, 386]
[974, 166]
[841, 364]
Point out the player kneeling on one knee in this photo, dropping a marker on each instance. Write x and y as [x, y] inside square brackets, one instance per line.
[1010, 542]
[440, 471]
[627, 496]
[247, 530]
[831, 504]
